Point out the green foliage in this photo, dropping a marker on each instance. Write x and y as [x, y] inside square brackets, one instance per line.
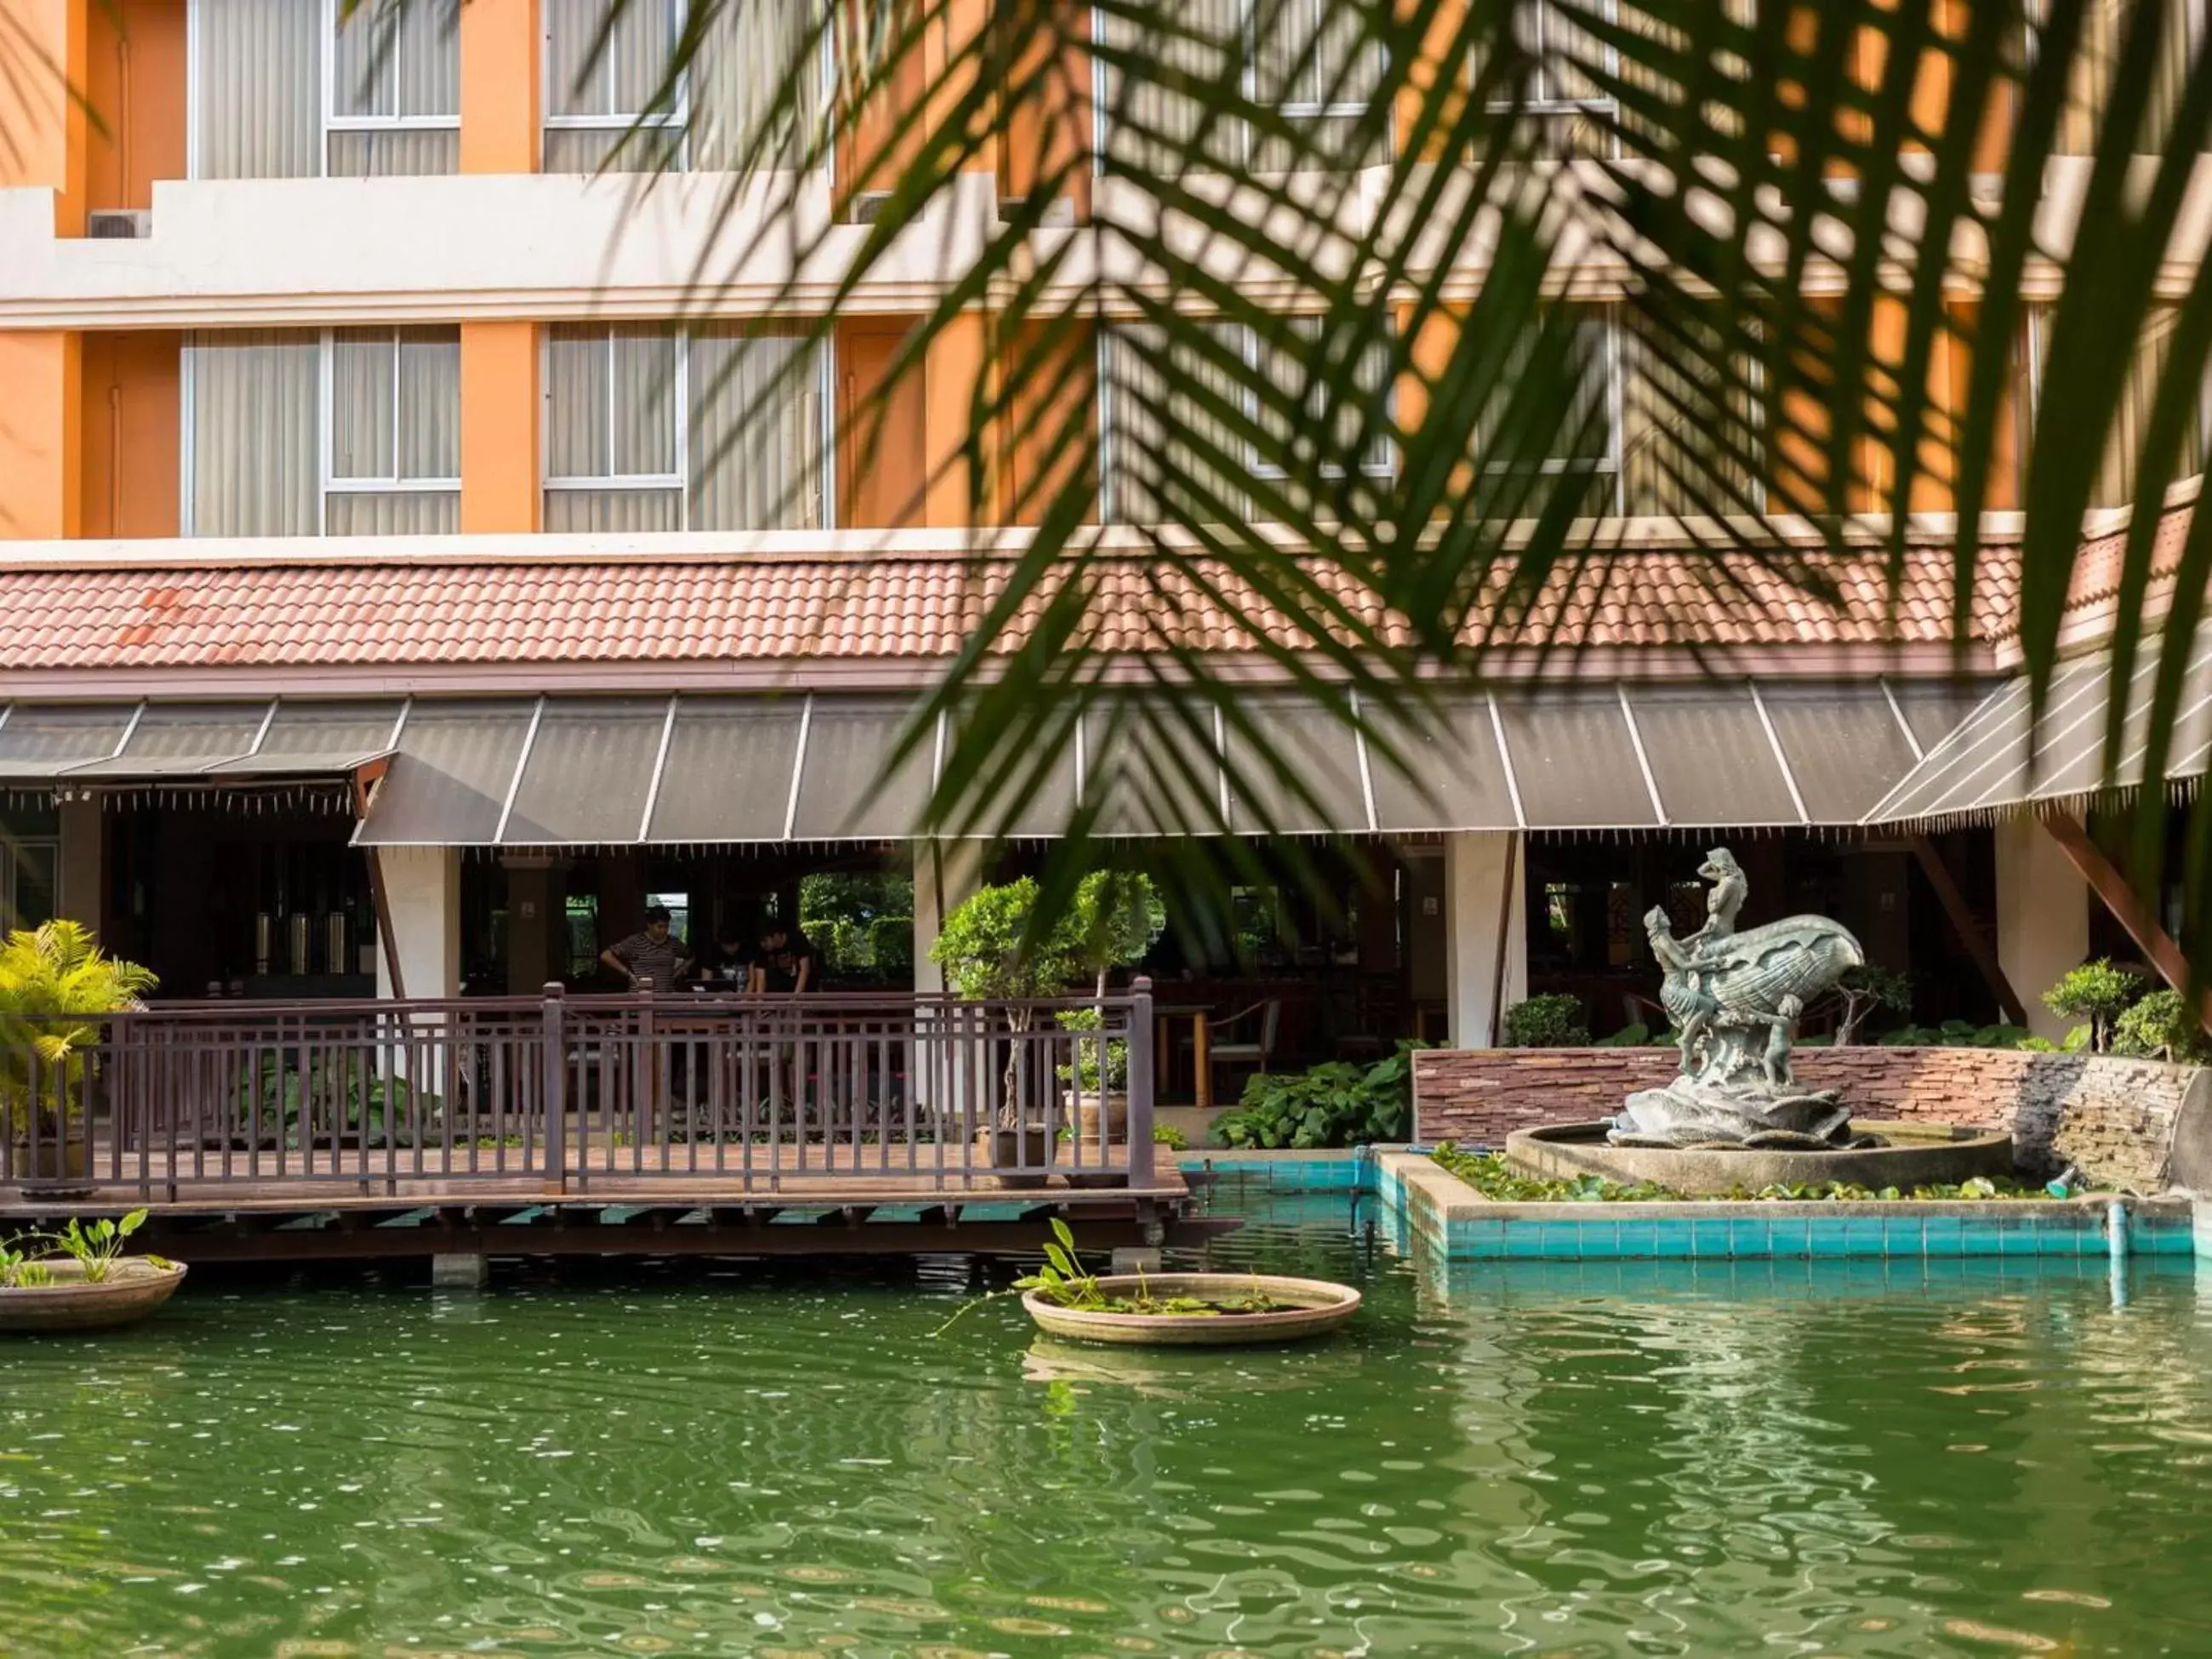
[1866, 990]
[1956, 1033]
[48, 976]
[1116, 916]
[860, 923]
[1553, 1021]
[94, 1249]
[1337, 1104]
[1489, 1175]
[343, 1095]
[2160, 1027]
[992, 947]
[1063, 1279]
[1635, 1036]
[1084, 1073]
[1167, 1135]
[2096, 992]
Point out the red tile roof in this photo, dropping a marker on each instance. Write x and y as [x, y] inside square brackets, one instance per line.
[899, 607]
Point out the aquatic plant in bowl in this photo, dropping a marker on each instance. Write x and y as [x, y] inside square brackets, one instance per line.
[80, 1279]
[1174, 1310]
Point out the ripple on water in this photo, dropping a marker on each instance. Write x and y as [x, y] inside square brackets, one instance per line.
[1568, 1460]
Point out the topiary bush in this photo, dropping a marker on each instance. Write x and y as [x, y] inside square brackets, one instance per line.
[2097, 992]
[2159, 1027]
[1552, 1021]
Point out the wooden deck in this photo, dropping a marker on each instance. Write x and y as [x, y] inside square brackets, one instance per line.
[798, 1211]
[561, 1125]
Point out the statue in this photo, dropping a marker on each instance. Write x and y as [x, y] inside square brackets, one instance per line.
[1735, 999]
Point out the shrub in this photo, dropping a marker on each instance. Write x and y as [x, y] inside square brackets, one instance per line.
[2159, 1027]
[1636, 1035]
[50, 977]
[1865, 989]
[1334, 1105]
[1554, 1021]
[891, 945]
[2097, 992]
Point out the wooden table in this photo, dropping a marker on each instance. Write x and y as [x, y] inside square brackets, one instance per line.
[1197, 1014]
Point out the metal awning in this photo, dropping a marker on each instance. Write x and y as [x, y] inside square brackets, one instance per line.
[188, 742]
[2002, 758]
[590, 770]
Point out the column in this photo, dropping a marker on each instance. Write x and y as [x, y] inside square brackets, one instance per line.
[501, 489]
[535, 909]
[945, 873]
[2043, 917]
[81, 882]
[42, 448]
[423, 896]
[1485, 881]
[46, 125]
[503, 49]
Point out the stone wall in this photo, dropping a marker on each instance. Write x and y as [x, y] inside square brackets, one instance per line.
[2114, 1117]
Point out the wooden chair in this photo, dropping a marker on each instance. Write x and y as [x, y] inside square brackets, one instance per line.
[1254, 1051]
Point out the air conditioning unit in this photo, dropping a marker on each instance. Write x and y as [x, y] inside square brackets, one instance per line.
[866, 206]
[119, 224]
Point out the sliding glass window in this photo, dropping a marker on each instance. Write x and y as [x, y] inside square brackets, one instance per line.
[354, 432]
[2115, 484]
[286, 89]
[654, 428]
[1172, 411]
[1308, 61]
[611, 102]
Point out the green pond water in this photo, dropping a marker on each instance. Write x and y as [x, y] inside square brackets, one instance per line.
[1540, 1458]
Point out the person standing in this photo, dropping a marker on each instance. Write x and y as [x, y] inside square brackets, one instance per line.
[652, 958]
[785, 962]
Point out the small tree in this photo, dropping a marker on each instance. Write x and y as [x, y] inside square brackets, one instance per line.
[2160, 1027]
[1864, 990]
[992, 951]
[2097, 992]
[1116, 916]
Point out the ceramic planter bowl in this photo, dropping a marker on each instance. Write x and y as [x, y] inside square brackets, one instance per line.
[1317, 1307]
[133, 1287]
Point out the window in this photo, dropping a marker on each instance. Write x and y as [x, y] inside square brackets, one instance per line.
[352, 432]
[1690, 443]
[1153, 392]
[1523, 435]
[1571, 109]
[280, 90]
[1311, 63]
[2104, 30]
[2115, 484]
[653, 429]
[29, 880]
[705, 122]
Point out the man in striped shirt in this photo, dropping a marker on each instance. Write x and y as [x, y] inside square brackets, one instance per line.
[652, 959]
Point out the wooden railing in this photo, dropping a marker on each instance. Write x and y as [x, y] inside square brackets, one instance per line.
[742, 1093]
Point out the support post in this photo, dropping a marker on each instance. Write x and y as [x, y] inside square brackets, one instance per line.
[460, 1270]
[2128, 909]
[1141, 1172]
[556, 1060]
[1486, 934]
[2010, 1006]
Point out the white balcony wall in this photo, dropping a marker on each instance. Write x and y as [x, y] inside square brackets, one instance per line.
[297, 252]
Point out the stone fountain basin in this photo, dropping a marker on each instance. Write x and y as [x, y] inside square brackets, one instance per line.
[1920, 1155]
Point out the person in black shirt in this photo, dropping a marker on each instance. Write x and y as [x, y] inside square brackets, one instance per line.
[730, 965]
[785, 962]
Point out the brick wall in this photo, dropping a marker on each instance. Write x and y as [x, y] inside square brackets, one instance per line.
[2114, 1117]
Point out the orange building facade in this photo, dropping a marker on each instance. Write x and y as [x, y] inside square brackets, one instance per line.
[356, 383]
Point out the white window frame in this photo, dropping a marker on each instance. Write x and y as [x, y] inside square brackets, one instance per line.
[326, 436]
[1551, 109]
[1385, 467]
[679, 116]
[1610, 464]
[1101, 118]
[326, 69]
[327, 484]
[680, 480]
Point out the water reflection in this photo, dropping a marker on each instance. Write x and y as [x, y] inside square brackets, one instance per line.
[1556, 1458]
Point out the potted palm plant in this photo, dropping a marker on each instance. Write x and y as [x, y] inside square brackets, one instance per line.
[57, 988]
